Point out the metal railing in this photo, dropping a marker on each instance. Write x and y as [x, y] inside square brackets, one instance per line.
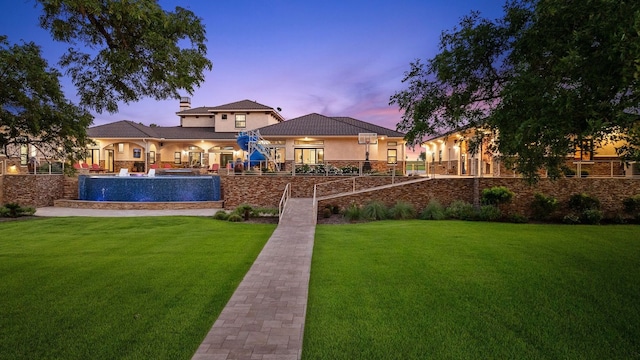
[283, 200]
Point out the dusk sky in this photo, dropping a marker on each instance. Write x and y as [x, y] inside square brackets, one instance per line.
[333, 57]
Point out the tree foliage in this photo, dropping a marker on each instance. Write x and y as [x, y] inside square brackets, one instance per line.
[127, 50]
[33, 108]
[545, 76]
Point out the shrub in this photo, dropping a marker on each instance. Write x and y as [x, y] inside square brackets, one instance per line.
[543, 206]
[518, 219]
[335, 209]
[326, 213]
[234, 218]
[582, 202]
[433, 211]
[460, 210]
[353, 213]
[632, 205]
[571, 219]
[14, 210]
[243, 210]
[489, 213]
[221, 215]
[375, 210]
[402, 211]
[591, 216]
[496, 195]
[263, 211]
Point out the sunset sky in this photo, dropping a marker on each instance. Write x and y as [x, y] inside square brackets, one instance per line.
[333, 57]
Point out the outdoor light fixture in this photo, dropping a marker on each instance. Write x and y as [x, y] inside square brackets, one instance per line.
[13, 169]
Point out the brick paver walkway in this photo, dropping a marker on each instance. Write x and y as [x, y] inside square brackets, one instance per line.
[264, 319]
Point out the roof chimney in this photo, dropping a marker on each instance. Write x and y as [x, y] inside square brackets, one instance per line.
[185, 103]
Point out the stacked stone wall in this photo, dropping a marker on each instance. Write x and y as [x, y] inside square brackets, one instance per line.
[32, 190]
[611, 192]
[267, 190]
[42, 190]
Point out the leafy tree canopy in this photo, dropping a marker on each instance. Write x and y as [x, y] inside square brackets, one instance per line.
[135, 49]
[545, 76]
[120, 51]
[33, 109]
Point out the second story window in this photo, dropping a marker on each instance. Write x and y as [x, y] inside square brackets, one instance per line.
[241, 120]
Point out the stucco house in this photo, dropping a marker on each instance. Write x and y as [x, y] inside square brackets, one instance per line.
[207, 136]
[449, 154]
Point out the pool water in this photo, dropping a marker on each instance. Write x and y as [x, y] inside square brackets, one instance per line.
[149, 189]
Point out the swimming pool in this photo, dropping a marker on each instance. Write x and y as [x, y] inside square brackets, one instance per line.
[149, 189]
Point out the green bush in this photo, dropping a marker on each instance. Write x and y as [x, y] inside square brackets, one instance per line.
[326, 213]
[571, 219]
[496, 195]
[221, 215]
[353, 212]
[489, 213]
[263, 211]
[543, 206]
[460, 210]
[632, 205]
[518, 219]
[375, 210]
[243, 210]
[402, 211]
[14, 210]
[235, 218]
[335, 209]
[582, 202]
[433, 211]
[591, 216]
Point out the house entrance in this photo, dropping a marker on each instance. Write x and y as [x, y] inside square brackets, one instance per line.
[226, 159]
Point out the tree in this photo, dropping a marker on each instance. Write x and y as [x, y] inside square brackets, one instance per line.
[546, 76]
[33, 109]
[422, 156]
[135, 51]
[138, 48]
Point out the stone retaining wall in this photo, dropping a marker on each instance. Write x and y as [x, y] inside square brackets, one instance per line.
[32, 190]
[609, 191]
[266, 191]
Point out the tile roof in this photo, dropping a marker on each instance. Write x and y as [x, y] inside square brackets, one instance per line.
[320, 125]
[242, 105]
[130, 130]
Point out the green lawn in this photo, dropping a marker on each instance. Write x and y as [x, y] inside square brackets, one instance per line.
[127, 288]
[470, 290]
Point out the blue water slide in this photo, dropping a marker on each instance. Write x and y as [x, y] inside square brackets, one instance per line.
[256, 156]
[243, 141]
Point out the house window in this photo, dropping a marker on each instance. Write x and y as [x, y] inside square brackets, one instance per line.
[93, 156]
[224, 116]
[392, 143]
[137, 153]
[177, 157]
[309, 156]
[241, 120]
[121, 148]
[152, 157]
[392, 156]
[24, 154]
